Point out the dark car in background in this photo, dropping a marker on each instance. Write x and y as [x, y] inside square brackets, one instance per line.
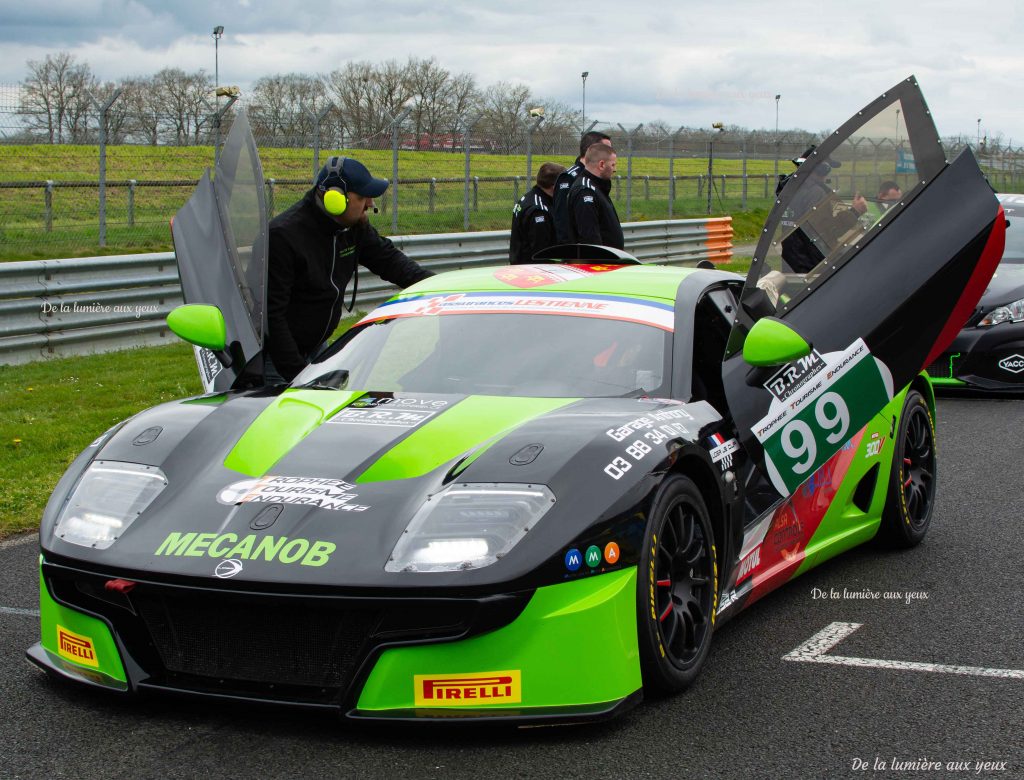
[988, 354]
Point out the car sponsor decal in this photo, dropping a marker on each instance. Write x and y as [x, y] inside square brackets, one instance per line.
[658, 315]
[467, 690]
[314, 492]
[748, 564]
[722, 450]
[390, 418]
[799, 434]
[792, 376]
[873, 446]
[656, 427]
[227, 568]
[250, 547]
[209, 367]
[1014, 364]
[774, 548]
[388, 411]
[526, 276]
[76, 647]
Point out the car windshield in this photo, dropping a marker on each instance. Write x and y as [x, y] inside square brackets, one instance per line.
[538, 355]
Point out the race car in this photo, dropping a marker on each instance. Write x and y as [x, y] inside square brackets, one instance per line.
[521, 493]
[988, 354]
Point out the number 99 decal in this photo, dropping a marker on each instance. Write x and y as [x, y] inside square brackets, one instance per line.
[798, 439]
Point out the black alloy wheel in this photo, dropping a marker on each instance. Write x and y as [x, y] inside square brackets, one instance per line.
[912, 482]
[677, 587]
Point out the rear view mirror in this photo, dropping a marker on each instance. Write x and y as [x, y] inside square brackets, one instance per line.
[771, 342]
[199, 324]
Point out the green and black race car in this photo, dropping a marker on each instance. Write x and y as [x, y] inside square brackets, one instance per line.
[525, 493]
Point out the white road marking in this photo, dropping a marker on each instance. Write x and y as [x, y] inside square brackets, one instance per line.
[19, 611]
[814, 651]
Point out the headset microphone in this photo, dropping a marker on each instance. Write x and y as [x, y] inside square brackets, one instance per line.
[376, 210]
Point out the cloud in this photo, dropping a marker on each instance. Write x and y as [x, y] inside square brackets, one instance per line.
[687, 64]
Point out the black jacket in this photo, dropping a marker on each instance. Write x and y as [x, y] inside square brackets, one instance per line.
[533, 228]
[592, 216]
[312, 259]
[560, 206]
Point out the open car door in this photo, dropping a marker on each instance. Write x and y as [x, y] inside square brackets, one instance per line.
[878, 290]
[220, 241]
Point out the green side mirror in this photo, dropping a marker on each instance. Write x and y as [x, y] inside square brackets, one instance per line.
[771, 342]
[199, 324]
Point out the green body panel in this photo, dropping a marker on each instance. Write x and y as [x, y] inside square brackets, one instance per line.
[844, 525]
[199, 324]
[948, 382]
[575, 643]
[288, 420]
[207, 400]
[468, 423]
[649, 282]
[108, 669]
[772, 342]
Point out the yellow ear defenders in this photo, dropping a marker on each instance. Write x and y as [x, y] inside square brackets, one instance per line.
[335, 201]
[335, 198]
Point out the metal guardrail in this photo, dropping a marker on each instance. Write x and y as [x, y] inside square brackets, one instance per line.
[59, 308]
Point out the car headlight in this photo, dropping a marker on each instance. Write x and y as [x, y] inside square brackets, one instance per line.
[469, 526]
[1011, 312]
[106, 501]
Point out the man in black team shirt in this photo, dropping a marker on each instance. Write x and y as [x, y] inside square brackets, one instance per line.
[559, 209]
[532, 226]
[592, 216]
[315, 247]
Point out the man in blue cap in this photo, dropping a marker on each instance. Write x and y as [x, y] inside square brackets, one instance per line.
[315, 248]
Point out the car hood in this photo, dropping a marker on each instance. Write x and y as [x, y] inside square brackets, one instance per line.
[315, 487]
[1007, 285]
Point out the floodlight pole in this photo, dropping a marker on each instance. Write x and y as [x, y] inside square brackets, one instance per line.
[530, 128]
[777, 98]
[583, 119]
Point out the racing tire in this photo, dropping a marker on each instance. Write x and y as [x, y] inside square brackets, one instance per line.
[677, 588]
[912, 479]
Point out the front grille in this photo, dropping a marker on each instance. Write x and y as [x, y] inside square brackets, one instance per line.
[265, 641]
[304, 649]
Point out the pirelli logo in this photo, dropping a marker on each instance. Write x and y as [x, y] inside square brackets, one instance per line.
[468, 690]
[76, 647]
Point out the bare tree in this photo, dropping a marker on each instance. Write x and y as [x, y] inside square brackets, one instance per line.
[352, 91]
[182, 101]
[143, 103]
[281, 105]
[559, 132]
[429, 84]
[463, 98]
[119, 115]
[55, 96]
[504, 107]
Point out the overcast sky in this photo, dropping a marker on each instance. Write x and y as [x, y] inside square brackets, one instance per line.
[691, 63]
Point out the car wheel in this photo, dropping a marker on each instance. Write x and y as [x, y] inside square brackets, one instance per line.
[911, 497]
[677, 588]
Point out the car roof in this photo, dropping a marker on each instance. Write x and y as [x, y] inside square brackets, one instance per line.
[1013, 204]
[634, 281]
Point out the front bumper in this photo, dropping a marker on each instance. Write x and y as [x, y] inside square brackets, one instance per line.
[560, 653]
[987, 359]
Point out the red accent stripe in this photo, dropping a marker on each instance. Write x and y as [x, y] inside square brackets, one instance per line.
[975, 288]
[665, 614]
[664, 583]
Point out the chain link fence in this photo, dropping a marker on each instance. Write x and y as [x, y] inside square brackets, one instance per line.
[114, 185]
